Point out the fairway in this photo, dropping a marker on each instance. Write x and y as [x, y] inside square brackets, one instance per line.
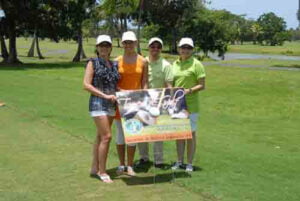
[288, 48]
[248, 136]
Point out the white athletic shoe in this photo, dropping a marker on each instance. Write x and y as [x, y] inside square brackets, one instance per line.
[120, 170]
[180, 115]
[130, 171]
[177, 166]
[189, 168]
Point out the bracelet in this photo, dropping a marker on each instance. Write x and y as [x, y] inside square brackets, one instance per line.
[190, 90]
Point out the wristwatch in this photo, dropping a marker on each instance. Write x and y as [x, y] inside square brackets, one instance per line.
[190, 90]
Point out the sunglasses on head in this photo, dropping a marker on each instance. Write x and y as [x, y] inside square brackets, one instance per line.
[104, 44]
[186, 47]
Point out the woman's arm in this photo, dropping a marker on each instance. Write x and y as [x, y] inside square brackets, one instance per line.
[87, 83]
[168, 84]
[200, 86]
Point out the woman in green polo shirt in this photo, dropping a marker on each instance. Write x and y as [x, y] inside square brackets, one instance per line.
[189, 74]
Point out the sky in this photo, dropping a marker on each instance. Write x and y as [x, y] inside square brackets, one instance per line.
[287, 9]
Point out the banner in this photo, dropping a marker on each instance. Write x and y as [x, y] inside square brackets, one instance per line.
[154, 115]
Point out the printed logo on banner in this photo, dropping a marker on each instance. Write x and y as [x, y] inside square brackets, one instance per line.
[133, 126]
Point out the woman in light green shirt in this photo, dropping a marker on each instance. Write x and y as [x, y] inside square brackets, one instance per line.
[160, 76]
[189, 74]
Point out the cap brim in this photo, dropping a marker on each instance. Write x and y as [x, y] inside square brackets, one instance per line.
[127, 39]
[154, 42]
[185, 44]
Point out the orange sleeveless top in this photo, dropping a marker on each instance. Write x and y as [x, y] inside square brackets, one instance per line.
[131, 76]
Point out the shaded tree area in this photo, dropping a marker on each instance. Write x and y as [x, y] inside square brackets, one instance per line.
[168, 18]
[39, 18]
[295, 34]
[78, 12]
[3, 33]
[60, 19]
[212, 30]
[12, 8]
[273, 29]
[49, 23]
[210, 33]
[116, 14]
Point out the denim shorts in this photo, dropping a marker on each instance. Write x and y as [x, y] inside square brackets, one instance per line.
[103, 113]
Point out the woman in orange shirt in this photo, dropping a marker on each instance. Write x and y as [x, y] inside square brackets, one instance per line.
[133, 70]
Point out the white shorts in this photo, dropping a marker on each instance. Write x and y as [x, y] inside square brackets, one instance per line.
[103, 113]
[193, 121]
[120, 140]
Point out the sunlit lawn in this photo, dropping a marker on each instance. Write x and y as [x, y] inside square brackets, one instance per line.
[289, 48]
[248, 137]
[265, 62]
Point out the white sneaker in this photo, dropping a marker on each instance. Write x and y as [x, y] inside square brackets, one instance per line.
[189, 168]
[176, 166]
[180, 115]
[120, 170]
[130, 171]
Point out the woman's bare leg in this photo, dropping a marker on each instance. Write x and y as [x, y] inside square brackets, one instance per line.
[103, 124]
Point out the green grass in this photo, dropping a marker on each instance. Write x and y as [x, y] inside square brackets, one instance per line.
[289, 48]
[41, 162]
[265, 62]
[248, 138]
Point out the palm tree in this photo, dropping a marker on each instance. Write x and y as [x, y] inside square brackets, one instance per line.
[4, 52]
[298, 14]
[118, 12]
[256, 30]
[139, 25]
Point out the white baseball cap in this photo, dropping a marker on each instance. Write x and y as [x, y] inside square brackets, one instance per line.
[129, 35]
[103, 38]
[155, 39]
[186, 41]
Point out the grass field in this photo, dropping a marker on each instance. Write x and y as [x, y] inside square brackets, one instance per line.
[265, 62]
[248, 137]
[289, 48]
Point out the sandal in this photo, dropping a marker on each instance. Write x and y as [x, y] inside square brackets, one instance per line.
[104, 177]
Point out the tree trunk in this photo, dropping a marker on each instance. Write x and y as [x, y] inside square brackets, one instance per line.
[116, 27]
[35, 42]
[12, 58]
[82, 53]
[31, 50]
[79, 52]
[4, 52]
[118, 41]
[125, 22]
[121, 25]
[139, 28]
[38, 47]
[173, 45]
